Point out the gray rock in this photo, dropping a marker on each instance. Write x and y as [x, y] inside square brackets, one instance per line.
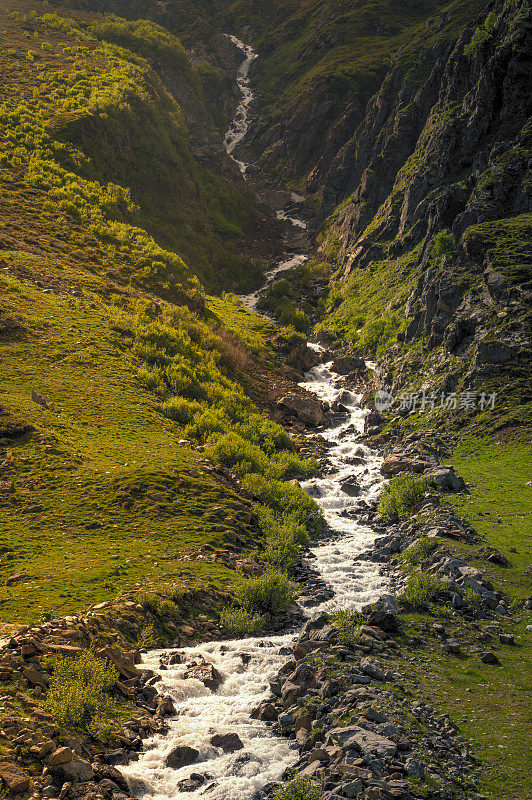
[77, 771]
[413, 768]
[507, 638]
[445, 478]
[489, 658]
[369, 742]
[372, 669]
[351, 789]
[346, 364]
[229, 742]
[388, 603]
[181, 756]
[307, 409]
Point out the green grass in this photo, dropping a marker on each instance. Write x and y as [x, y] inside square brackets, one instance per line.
[90, 120]
[491, 704]
[500, 503]
[366, 309]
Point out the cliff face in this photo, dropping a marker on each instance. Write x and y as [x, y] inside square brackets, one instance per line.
[439, 176]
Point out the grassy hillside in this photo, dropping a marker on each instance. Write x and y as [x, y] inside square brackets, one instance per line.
[116, 367]
[86, 112]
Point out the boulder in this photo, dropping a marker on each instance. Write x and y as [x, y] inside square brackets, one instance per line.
[507, 638]
[306, 408]
[373, 420]
[40, 399]
[384, 620]
[192, 783]
[207, 674]
[229, 742]
[15, 780]
[354, 737]
[445, 478]
[166, 707]
[352, 789]
[351, 488]
[265, 712]
[372, 669]
[343, 365]
[489, 658]
[181, 757]
[388, 603]
[17, 577]
[290, 691]
[60, 756]
[396, 464]
[76, 771]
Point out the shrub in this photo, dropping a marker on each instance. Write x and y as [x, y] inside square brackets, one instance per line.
[212, 420]
[472, 598]
[268, 594]
[420, 550]
[147, 637]
[347, 623]
[286, 499]
[481, 35]
[420, 590]
[284, 537]
[400, 495]
[78, 696]
[289, 465]
[443, 246]
[239, 622]
[179, 409]
[231, 450]
[298, 789]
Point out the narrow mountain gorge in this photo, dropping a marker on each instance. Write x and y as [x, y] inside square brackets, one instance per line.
[265, 413]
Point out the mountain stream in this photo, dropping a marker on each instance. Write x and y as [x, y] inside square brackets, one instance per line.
[248, 665]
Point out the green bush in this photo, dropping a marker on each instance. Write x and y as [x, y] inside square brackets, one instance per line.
[481, 35]
[284, 498]
[231, 450]
[298, 789]
[472, 598]
[179, 409]
[78, 696]
[420, 550]
[347, 623]
[239, 622]
[284, 537]
[269, 594]
[420, 590]
[400, 495]
[147, 638]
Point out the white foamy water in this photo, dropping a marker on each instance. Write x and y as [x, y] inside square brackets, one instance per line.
[350, 464]
[247, 666]
[251, 300]
[239, 125]
[298, 223]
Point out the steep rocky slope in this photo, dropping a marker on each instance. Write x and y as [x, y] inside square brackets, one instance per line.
[423, 180]
[443, 199]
